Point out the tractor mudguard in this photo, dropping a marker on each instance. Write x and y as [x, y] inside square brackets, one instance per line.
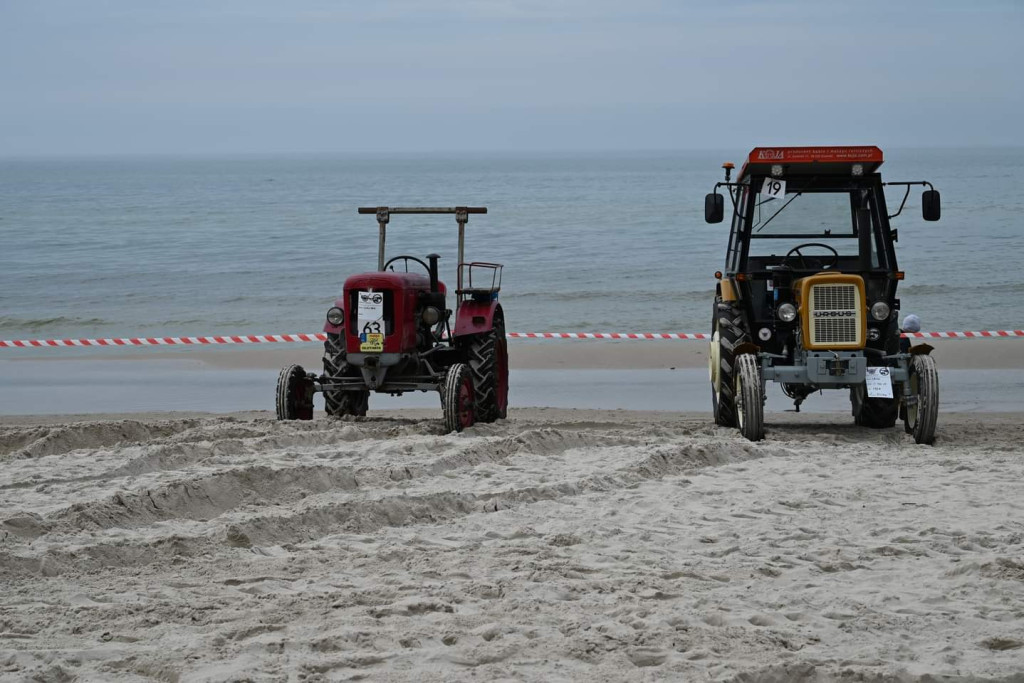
[334, 329]
[475, 317]
[921, 350]
[746, 347]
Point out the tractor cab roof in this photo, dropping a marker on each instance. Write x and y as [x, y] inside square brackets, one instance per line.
[795, 161]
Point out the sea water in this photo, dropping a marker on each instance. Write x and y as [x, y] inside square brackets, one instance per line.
[590, 242]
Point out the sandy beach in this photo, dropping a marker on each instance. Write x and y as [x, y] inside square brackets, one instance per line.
[559, 544]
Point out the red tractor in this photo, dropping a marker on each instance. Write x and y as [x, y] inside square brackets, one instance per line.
[391, 332]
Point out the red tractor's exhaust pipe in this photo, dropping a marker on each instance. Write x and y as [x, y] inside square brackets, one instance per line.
[432, 258]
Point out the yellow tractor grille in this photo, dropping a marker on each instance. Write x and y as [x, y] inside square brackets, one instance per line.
[835, 297]
[835, 315]
[835, 331]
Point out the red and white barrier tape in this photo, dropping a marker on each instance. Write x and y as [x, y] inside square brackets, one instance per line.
[607, 335]
[319, 337]
[165, 341]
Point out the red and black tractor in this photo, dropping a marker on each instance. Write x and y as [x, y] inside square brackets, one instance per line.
[391, 332]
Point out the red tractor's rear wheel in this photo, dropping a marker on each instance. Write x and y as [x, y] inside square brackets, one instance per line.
[294, 394]
[457, 398]
[487, 356]
[341, 403]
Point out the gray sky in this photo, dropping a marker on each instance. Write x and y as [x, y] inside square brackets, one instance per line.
[262, 76]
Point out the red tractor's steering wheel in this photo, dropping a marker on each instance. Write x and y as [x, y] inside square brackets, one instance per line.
[407, 259]
[803, 263]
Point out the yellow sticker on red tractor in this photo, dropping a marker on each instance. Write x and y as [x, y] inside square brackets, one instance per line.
[371, 342]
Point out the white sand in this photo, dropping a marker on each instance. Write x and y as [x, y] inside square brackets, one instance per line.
[557, 545]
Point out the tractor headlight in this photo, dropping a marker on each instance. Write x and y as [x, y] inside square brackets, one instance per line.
[335, 315]
[787, 313]
[430, 315]
[880, 310]
[874, 334]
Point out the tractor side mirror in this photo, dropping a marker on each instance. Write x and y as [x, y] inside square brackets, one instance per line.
[931, 208]
[714, 208]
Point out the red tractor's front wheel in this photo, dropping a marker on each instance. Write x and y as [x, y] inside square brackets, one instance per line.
[457, 398]
[294, 394]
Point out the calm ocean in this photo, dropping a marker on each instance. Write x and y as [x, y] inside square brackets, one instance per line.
[124, 247]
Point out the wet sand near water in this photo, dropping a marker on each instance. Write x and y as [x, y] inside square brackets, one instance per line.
[524, 354]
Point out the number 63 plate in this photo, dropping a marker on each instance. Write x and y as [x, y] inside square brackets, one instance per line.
[371, 322]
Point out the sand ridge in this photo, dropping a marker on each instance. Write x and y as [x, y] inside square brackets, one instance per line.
[556, 545]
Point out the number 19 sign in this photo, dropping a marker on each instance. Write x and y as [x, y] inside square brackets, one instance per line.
[773, 188]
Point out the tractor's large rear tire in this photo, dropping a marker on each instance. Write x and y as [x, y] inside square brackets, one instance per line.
[341, 403]
[877, 412]
[487, 356]
[922, 417]
[873, 412]
[727, 333]
[457, 400]
[294, 394]
[749, 397]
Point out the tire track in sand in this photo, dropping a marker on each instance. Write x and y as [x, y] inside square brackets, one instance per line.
[303, 493]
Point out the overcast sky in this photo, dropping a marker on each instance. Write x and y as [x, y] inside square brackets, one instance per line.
[267, 76]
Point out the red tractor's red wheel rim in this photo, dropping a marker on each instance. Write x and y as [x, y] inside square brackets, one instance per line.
[466, 402]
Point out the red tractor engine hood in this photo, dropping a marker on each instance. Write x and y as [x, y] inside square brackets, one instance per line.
[401, 293]
[387, 280]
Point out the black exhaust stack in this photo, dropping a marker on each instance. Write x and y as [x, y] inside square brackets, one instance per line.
[433, 272]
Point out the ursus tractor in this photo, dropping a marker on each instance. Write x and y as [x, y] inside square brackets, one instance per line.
[808, 294]
[392, 331]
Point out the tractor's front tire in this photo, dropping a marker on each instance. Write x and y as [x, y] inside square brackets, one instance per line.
[487, 356]
[922, 417]
[457, 398]
[727, 333]
[341, 403]
[294, 394]
[749, 397]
